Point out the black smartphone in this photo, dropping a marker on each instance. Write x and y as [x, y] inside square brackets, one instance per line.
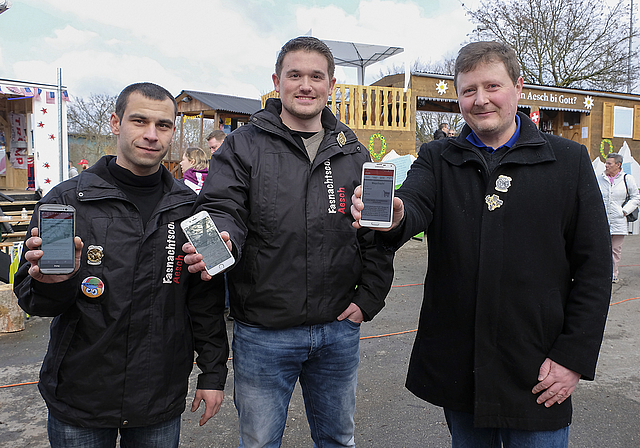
[57, 229]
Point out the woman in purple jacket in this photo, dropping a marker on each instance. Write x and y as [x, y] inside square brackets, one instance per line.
[195, 167]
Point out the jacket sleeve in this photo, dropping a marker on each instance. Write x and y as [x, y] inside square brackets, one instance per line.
[43, 299]
[225, 193]
[205, 301]
[588, 250]
[376, 278]
[634, 195]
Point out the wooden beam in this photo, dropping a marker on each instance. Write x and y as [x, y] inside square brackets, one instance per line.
[201, 128]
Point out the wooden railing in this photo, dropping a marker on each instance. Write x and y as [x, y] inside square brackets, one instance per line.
[368, 107]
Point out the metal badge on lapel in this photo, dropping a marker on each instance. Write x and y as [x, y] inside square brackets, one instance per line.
[95, 255]
[341, 139]
[493, 202]
[503, 183]
[92, 287]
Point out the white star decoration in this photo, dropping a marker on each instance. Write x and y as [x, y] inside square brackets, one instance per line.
[588, 102]
[442, 87]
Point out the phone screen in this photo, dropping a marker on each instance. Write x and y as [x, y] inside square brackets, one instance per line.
[377, 194]
[205, 238]
[56, 231]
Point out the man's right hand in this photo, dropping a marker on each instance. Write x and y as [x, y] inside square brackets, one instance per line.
[194, 260]
[357, 206]
[33, 256]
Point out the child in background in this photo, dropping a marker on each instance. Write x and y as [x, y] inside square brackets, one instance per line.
[195, 167]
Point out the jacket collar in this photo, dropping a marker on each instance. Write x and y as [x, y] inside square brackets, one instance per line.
[532, 147]
[269, 120]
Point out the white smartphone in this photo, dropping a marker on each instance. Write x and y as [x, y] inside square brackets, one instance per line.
[57, 228]
[378, 186]
[204, 236]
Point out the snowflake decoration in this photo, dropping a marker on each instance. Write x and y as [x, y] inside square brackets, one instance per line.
[41, 124]
[46, 165]
[442, 87]
[52, 137]
[588, 102]
[47, 181]
[43, 110]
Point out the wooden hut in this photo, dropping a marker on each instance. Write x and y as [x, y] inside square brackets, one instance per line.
[227, 111]
[600, 120]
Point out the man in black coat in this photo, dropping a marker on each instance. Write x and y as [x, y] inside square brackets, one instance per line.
[519, 275]
[127, 320]
[441, 132]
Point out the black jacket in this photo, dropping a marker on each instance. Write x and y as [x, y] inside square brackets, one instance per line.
[300, 259]
[124, 358]
[507, 286]
[439, 134]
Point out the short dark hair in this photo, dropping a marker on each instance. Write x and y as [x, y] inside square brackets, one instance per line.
[146, 89]
[444, 125]
[308, 44]
[217, 134]
[484, 52]
[617, 158]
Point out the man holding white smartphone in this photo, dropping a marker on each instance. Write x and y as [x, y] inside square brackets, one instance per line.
[129, 316]
[519, 274]
[305, 278]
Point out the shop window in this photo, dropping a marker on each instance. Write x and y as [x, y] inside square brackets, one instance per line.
[622, 122]
[571, 118]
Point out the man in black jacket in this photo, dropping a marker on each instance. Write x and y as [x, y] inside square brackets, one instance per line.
[128, 318]
[305, 278]
[441, 132]
[519, 274]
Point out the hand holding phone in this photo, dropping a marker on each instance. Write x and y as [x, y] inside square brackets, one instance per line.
[378, 186]
[57, 228]
[203, 234]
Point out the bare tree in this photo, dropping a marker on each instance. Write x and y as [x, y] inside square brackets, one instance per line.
[563, 43]
[428, 122]
[443, 67]
[190, 136]
[88, 126]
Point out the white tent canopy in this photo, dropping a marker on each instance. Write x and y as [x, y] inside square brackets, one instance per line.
[351, 54]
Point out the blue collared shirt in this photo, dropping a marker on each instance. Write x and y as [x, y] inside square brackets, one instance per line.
[475, 141]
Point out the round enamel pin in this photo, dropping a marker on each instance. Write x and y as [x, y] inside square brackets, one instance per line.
[92, 287]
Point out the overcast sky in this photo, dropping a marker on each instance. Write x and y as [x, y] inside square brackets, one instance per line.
[216, 46]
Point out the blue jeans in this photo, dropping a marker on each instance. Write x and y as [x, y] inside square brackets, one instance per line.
[161, 435]
[266, 365]
[464, 435]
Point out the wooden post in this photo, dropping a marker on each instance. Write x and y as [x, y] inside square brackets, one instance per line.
[181, 134]
[201, 129]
